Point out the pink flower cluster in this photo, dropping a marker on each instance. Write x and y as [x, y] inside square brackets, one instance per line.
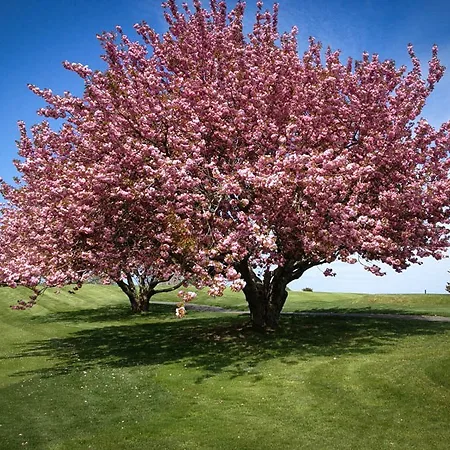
[186, 296]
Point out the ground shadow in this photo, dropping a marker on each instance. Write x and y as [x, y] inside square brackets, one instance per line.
[104, 314]
[367, 310]
[220, 344]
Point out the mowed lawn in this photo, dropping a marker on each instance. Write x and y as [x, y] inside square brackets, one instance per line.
[80, 372]
[427, 304]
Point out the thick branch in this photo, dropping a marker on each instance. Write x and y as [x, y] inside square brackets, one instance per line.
[169, 288]
[124, 286]
[247, 272]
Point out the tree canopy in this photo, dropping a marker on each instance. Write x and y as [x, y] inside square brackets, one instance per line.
[215, 156]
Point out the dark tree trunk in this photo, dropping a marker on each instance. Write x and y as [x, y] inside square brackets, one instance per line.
[267, 296]
[141, 302]
[141, 288]
[266, 300]
[138, 294]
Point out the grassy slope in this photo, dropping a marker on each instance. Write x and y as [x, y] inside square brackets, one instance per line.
[79, 372]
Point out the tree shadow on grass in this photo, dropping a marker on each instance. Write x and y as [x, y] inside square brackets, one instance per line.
[221, 344]
[411, 311]
[105, 314]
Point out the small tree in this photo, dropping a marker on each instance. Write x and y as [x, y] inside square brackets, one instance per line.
[45, 242]
[217, 156]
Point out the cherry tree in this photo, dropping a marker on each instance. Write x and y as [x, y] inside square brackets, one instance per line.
[61, 225]
[327, 159]
[221, 157]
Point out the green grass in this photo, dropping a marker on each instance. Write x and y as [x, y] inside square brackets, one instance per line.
[428, 304]
[79, 372]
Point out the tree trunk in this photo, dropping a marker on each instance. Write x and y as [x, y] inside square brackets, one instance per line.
[265, 310]
[140, 303]
[140, 299]
[140, 288]
[139, 294]
[266, 297]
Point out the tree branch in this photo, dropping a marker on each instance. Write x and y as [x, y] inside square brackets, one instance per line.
[170, 288]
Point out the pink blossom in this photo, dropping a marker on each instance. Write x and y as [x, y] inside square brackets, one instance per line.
[216, 157]
[180, 312]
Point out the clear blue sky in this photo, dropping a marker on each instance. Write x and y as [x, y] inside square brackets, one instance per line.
[37, 35]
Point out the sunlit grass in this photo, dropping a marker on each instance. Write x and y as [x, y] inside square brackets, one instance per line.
[428, 304]
[79, 371]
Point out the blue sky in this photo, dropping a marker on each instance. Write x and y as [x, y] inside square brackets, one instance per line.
[37, 35]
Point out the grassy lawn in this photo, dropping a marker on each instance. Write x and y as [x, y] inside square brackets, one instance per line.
[428, 304]
[79, 372]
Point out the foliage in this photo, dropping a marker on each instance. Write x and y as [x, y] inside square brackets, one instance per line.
[216, 157]
[307, 289]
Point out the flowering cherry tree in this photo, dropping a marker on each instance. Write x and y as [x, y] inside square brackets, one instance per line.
[221, 158]
[57, 231]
